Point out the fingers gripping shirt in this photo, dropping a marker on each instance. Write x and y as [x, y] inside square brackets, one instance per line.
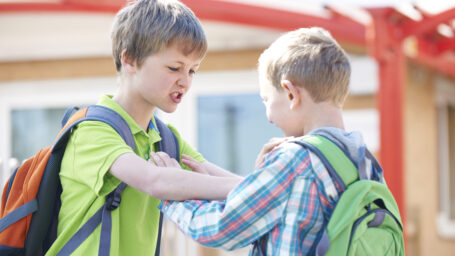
[280, 205]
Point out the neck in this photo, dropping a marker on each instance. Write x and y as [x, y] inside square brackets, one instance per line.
[328, 115]
[135, 106]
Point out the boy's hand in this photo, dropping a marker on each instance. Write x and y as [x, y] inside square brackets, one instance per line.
[194, 165]
[269, 146]
[162, 159]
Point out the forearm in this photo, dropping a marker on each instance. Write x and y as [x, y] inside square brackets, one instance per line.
[244, 217]
[208, 223]
[170, 183]
[215, 170]
[176, 184]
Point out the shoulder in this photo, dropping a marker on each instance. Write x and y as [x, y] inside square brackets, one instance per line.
[91, 129]
[287, 151]
[288, 156]
[91, 138]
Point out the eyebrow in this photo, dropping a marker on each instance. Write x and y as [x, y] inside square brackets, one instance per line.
[181, 63]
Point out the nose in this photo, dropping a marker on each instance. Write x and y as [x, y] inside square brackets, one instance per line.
[185, 81]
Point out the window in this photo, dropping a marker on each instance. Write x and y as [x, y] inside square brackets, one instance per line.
[31, 111]
[446, 144]
[33, 129]
[232, 130]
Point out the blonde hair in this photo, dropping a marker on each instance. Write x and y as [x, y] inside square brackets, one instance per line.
[147, 26]
[311, 58]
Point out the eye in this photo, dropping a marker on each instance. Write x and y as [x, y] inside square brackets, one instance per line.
[173, 69]
[192, 72]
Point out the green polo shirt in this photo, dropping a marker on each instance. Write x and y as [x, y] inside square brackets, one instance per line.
[86, 180]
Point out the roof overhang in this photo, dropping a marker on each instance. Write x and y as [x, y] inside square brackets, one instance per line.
[348, 25]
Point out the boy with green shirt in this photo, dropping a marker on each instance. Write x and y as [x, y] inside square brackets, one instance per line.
[157, 47]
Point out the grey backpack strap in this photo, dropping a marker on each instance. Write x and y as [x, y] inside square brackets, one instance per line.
[103, 215]
[168, 142]
[170, 145]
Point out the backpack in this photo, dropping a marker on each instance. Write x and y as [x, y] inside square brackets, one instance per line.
[31, 197]
[366, 219]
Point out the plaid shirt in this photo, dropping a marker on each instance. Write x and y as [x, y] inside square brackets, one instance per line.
[280, 208]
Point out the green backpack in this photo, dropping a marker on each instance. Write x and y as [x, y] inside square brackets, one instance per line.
[366, 219]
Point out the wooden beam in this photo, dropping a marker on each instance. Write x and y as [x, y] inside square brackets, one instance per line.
[256, 15]
[231, 60]
[70, 6]
[343, 30]
[386, 48]
[56, 69]
[354, 102]
[104, 66]
[428, 23]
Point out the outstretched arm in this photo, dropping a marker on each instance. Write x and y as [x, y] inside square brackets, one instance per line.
[207, 168]
[171, 182]
[252, 209]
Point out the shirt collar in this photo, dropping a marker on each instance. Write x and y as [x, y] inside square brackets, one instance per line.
[107, 101]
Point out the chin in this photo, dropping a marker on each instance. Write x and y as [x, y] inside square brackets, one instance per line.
[169, 111]
[293, 134]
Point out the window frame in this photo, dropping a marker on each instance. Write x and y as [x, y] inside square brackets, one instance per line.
[445, 97]
[44, 94]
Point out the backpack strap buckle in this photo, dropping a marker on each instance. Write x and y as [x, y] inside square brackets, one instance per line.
[115, 197]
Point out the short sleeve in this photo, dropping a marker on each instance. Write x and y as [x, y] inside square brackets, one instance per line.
[91, 151]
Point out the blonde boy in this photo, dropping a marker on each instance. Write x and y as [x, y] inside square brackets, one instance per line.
[157, 47]
[281, 207]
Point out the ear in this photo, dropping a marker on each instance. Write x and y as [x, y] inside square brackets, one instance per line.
[128, 64]
[293, 92]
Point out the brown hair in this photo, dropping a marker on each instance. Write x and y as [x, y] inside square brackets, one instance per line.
[147, 26]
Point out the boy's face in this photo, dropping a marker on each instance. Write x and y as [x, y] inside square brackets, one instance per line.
[277, 105]
[165, 77]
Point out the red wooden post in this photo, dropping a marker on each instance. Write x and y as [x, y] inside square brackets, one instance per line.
[385, 44]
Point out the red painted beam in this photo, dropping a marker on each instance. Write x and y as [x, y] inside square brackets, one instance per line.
[386, 48]
[261, 16]
[444, 45]
[57, 7]
[444, 63]
[342, 29]
[428, 23]
[115, 3]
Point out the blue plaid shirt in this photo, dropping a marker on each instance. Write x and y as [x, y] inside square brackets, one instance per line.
[280, 208]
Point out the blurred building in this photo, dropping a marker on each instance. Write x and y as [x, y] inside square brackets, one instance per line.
[55, 54]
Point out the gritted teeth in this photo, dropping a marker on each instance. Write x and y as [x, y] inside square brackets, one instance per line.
[177, 95]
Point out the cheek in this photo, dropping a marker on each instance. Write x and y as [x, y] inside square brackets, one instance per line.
[271, 115]
[267, 113]
[267, 110]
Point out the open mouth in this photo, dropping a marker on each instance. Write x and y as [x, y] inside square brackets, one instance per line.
[176, 96]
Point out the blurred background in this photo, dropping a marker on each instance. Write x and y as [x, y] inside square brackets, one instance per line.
[57, 53]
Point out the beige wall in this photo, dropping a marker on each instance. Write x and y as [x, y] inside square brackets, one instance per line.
[104, 66]
[421, 165]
